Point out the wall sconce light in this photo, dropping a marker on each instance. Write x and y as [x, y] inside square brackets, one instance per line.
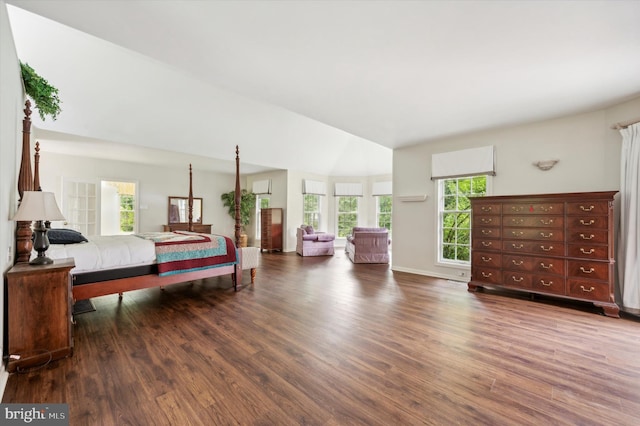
[39, 206]
[545, 164]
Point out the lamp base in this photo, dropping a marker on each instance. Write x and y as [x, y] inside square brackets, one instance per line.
[41, 260]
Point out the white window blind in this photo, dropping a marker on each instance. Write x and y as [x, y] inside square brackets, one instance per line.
[314, 187]
[467, 162]
[348, 190]
[382, 188]
[262, 186]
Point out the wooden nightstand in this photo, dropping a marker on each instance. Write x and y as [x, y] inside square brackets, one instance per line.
[39, 313]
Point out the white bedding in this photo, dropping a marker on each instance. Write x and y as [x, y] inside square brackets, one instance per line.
[106, 252]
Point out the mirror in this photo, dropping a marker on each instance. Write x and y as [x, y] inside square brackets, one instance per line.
[179, 210]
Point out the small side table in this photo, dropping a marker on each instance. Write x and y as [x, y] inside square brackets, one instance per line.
[39, 315]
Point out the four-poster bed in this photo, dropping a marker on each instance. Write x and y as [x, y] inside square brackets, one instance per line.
[88, 284]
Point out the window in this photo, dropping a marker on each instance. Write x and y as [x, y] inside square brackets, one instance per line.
[383, 211]
[311, 210]
[117, 208]
[454, 214]
[347, 215]
[262, 202]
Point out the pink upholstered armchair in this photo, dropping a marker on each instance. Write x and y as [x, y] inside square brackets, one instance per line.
[368, 245]
[312, 243]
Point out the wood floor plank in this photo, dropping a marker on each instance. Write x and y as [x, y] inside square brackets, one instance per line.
[321, 341]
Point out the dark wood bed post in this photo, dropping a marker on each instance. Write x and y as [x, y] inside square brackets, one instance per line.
[190, 228]
[237, 198]
[25, 183]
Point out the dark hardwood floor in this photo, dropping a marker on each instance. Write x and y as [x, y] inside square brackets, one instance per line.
[322, 341]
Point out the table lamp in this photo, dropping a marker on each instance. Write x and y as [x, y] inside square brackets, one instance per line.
[39, 206]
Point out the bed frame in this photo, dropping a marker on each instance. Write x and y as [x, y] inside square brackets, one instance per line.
[29, 182]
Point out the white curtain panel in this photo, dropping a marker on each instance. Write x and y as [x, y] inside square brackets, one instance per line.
[629, 238]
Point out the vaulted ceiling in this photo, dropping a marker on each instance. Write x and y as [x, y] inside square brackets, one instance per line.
[328, 87]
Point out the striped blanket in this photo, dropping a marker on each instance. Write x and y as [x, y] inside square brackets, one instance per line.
[178, 252]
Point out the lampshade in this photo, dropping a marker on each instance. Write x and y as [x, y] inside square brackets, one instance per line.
[38, 205]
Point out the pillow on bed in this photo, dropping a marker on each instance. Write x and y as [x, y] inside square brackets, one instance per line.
[65, 236]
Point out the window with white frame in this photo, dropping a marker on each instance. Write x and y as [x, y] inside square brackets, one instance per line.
[383, 211]
[311, 210]
[262, 202]
[454, 216]
[347, 215]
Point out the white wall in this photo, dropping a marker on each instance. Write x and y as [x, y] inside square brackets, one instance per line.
[589, 154]
[155, 186]
[11, 115]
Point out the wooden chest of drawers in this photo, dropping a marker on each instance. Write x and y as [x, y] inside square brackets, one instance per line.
[556, 244]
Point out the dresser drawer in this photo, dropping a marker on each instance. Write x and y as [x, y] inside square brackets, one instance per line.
[533, 208]
[483, 221]
[548, 265]
[517, 279]
[589, 207]
[547, 248]
[534, 221]
[517, 263]
[548, 284]
[591, 290]
[486, 275]
[487, 259]
[591, 236]
[588, 251]
[486, 208]
[534, 234]
[481, 233]
[485, 244]
[588, 222]
[589, 270]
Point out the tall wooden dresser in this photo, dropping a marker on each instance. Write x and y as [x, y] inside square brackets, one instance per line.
[271, 229]
[554, 244]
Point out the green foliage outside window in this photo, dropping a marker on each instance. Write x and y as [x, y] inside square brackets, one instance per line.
[384, 211]
[311, 210]
[456, 216]
[127, 213]
[347, 215]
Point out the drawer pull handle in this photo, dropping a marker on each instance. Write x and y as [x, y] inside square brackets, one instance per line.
[543, 248]
[517, 233]
[487, 232]
[585, 223]
[517, 246]
[546, 222]
[549, 235]
[590, 251]
[513, 277]
[486, 208]
[584, 237]
[516, 208]
[590, 271]
[546, 209]
[587, 209]
[485, 220]
[587, 291]
[486, 243]
[517, 221]
[549, 284]
[543, 266]
[517, 262]
[484, 274]
[486, 259]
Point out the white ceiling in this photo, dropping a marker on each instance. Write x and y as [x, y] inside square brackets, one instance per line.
[327, 87]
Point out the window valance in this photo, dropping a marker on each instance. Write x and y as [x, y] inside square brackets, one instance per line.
[262, 187]
[466, 162]
[314, 187]
[382, 188]
[348, 190]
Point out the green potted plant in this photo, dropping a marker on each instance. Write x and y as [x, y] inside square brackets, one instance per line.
[247, 204]
[43, 94]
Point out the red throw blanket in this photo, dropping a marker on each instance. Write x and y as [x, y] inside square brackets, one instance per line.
[178, 252]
